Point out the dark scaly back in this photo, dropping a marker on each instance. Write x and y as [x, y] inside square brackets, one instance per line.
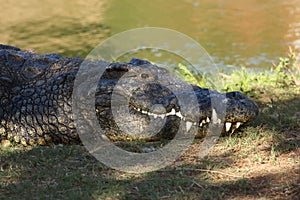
[35, 97]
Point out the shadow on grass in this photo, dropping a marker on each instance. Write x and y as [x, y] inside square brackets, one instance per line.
[69, 172]
[54, 173]
[280, 114]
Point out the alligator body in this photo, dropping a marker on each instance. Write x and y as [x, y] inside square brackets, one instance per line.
[36, 100]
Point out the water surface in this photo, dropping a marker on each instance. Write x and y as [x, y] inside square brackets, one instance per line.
[251, 33]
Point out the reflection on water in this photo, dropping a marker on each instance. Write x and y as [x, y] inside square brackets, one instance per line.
[248, 33]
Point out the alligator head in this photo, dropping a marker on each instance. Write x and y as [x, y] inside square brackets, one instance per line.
[144, 100]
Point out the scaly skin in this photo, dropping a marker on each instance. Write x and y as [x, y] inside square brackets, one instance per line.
[36, 99]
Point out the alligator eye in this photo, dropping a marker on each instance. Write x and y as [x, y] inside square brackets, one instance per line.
[144, 76]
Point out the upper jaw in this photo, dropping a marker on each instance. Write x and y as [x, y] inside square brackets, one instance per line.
[240, 108]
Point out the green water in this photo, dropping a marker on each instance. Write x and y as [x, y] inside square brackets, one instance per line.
[251, 33]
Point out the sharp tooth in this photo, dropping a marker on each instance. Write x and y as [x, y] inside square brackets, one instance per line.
[155, 116]
[233, 129]
[201, 124]
[173, 112]
[178, 114]
[207, 120]
[203, 121]
[238, 124]
[144, 112]
[188, 125]
[195, 123]
[162, 116]
[139, 109]
[228, 126]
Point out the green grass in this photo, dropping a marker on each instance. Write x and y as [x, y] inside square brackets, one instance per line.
[282, 75]
[259, 161]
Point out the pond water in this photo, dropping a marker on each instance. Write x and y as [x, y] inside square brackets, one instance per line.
[251, 33]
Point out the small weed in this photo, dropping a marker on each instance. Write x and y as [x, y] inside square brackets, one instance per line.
[273, 155]
[288, 69]
[190, 77]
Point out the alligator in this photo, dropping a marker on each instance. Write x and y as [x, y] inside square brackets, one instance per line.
[36, 106]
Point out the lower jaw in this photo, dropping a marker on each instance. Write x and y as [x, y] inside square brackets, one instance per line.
[169, 134]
